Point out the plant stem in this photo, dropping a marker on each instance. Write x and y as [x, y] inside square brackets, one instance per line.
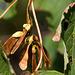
[39, 33]
[37, 26]
[27, 15]
[7, 9]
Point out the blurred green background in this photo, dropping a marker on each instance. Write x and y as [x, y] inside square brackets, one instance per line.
[48, 14]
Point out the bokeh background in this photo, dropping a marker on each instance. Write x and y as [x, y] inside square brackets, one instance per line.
[48, 14]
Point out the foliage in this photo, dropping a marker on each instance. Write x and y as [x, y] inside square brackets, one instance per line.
[48, 73]
[49, 14]
[5, 67]
[68, 35]
[54, 9]
[3, 6]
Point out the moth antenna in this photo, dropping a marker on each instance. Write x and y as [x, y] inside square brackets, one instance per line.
[7, 9]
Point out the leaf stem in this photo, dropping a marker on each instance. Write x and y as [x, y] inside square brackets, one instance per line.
[39, 34]
[36, 22]
[7, 9]
[27, 15]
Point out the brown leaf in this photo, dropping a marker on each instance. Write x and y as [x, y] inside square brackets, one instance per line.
[24, 48]
[19, 42]
[30, 55]
[71, 5]
[56, 37]
[35, 38]
[26, 73]
[46, 57]
[24, 59]
[9, 44]
[39, 55]
[39, 48]
[34, 64]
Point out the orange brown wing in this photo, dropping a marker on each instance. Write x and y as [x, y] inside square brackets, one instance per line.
[46, 57]
[34, 64]
[19, 42]
[9, 44]
[39, 56]
[39, 48]
[24, 58]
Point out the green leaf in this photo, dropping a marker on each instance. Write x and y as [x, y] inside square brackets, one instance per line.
[52, 72]
[54, 8]
[57, 61]
[68, 35]
[3, 6]
[60, 47]
[5, 67]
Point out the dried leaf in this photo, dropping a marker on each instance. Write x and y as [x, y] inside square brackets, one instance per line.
[30, 55]
[39, 54]
[46, 57]
[71, 5]
[24, 48]
[17, 34]
[56, 37]
[23, 63]
[19, 42]
[35, 38]
[34, 64]
[9, 44]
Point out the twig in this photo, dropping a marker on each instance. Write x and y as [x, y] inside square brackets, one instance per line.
[7, 9]
[39, 33]
[37, 26]
[27, 15]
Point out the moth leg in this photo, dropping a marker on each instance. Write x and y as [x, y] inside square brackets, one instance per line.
[7, 9]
